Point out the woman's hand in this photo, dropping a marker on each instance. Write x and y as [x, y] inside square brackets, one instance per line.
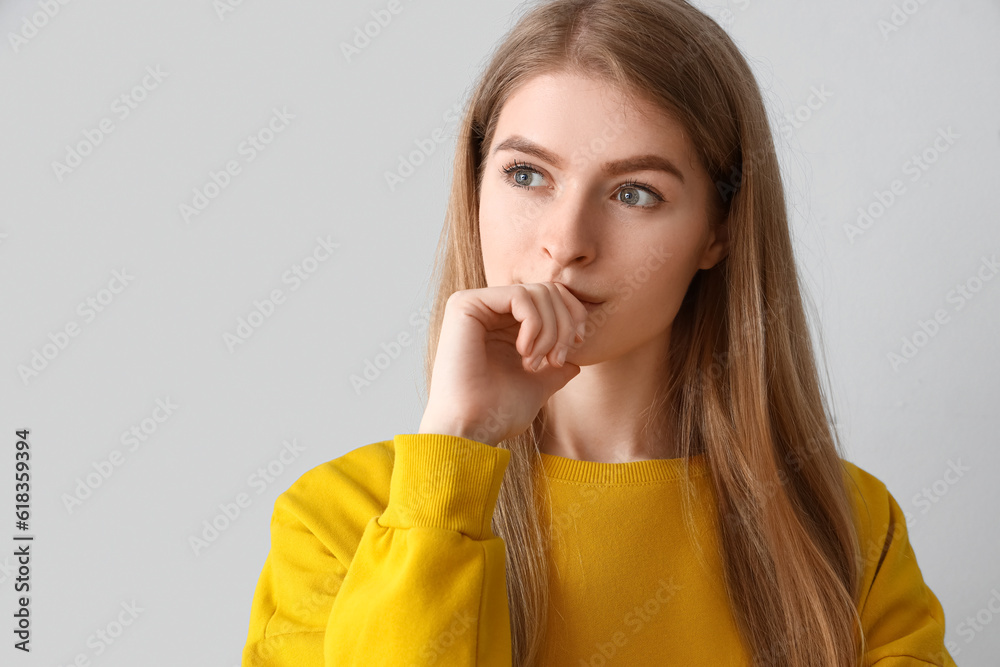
[483, 386]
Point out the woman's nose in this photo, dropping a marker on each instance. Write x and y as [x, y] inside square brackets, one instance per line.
[567, 228]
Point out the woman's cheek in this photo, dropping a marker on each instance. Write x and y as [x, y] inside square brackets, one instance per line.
[623, 289]
[525, 210]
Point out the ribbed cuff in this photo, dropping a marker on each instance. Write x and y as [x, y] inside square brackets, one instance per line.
[445, 481]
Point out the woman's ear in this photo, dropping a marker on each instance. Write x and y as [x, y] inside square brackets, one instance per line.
[718, 245]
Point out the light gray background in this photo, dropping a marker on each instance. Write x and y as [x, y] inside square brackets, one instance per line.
[324, 176]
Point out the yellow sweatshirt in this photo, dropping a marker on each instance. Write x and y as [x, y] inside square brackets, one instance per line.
[385, 556]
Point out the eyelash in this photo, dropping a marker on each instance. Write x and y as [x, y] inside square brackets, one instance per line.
[516, 165]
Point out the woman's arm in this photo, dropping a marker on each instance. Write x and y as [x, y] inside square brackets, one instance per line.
[426, 584]
[902, 619]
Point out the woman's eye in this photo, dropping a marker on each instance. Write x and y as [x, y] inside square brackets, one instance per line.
[633, 196]
[520, 175]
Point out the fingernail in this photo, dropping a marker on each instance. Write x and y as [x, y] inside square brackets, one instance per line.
[578, 339]
[538, 362]
[561, 357]
[581, 330]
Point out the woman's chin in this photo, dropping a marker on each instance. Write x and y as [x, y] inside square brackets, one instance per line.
[583, 357]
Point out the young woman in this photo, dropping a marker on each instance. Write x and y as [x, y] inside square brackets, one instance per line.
[625, 456]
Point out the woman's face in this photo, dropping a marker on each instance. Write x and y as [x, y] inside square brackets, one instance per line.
[607, 198]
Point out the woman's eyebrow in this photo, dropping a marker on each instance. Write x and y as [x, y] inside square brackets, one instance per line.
[613, 168]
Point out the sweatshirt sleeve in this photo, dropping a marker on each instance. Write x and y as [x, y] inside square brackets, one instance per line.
[902, 619]
[425, 584]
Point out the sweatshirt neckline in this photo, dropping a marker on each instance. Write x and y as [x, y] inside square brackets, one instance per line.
[648, 470]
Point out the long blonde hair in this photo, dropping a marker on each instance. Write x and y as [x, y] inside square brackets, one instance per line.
[741, 384]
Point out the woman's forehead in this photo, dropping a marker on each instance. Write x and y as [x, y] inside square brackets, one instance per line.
[568, 114]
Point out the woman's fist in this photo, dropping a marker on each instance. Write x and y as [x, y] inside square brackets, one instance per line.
[502, 351]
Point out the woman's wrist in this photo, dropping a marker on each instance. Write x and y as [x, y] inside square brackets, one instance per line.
[432, 423]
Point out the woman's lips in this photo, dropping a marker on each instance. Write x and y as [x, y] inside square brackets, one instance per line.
[580, 297]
